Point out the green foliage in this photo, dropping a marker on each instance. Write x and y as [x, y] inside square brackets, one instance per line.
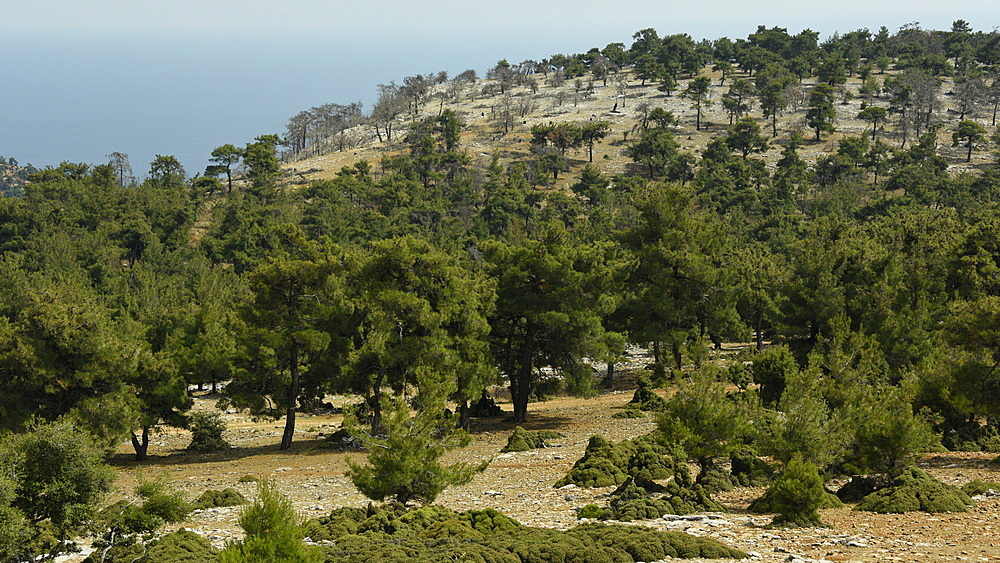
[628, 412]
[978, 486]
[795, 496]
[703, 419]
[748, 470]
[771, 369]
[591, 511]
[405, 463]
[641, 499]
[523, 440]
[213, 498]
[125, 526]
[605, 464]
[59, 475]
[645, 399]
[273, 532]
[913, 491]
[14, 529]
[206, 432]
[182, 546]
[431, 534]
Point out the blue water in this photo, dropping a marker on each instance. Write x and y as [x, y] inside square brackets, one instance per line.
[80, 98]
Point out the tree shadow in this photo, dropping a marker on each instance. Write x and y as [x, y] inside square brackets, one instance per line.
[505, 423]
[307, 446]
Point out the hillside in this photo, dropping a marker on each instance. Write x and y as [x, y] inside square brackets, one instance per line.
[623, 107]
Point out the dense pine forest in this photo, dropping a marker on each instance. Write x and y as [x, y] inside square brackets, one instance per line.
[856, 250]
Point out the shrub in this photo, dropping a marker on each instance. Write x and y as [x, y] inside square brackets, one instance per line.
[206, 432]
[715, 479]
[628, 412]
[640, 499]
[604, 464]
[59, 477]
[523, 440]
[405, 464]
[431, 534]
[748, 470]
[915, 490]
[485, 407]
[590, 511]
[645, 399]
[182, 546]
[249, 479]
[771, 368]
[273, 532]
[13, 527]
[979, 487]
[795, 496]
[213, 498]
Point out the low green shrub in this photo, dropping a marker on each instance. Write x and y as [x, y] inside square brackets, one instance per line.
[523, 440]
[605, 464]
[628, 412]
[182, 546]
[913, 491]
[591, 511]
[641, 499]
[978, 487]
[213, 498]
[715, 479]
[249, 479]
[431, 534]
[748, 470]
[795, 496]
[206, 432]
[645, 399]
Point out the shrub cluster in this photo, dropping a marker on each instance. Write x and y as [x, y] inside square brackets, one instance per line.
[913, 491]
[432, 533]
[523, 440]
[641, 499]
[214, 498]
[605, 464]
[796, 496]
[206, 432]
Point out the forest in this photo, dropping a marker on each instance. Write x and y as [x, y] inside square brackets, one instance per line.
[865, 279]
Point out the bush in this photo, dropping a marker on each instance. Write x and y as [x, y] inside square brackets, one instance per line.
[273, 532]
[645, 399]
[604, 464]
[485, 407]
[715, 479]
[770, 369]
[641, 499]
[59, 477]
[979, 487]
[523, 440]
[795, 496]
[126, 525]
[13, 527]
[431, 534]
[182, 546]
[213, 498]
[206, 432]
[405, 464]
[915, 490]
[591, 511]
[748, 470]
[628, 412]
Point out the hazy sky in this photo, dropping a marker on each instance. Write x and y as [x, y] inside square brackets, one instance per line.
[380, 16]
[86, 78]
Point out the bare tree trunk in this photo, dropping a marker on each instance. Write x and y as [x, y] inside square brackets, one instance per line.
[293, 395]
[141, 446]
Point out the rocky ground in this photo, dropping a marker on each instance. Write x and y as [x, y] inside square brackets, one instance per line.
[520, 485]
